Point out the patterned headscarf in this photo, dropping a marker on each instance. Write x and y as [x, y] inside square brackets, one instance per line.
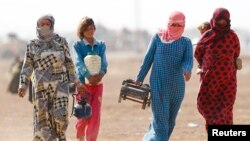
[52, 20]
[173, 33]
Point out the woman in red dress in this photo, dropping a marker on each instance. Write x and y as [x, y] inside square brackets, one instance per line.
[216, 53]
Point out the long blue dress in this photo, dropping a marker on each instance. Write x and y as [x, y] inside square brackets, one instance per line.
[170, 61]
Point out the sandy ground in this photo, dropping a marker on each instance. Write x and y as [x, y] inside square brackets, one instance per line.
[124, 121]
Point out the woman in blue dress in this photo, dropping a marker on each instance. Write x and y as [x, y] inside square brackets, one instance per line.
[171, 55]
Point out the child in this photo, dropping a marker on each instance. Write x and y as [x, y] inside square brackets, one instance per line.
[91, 66]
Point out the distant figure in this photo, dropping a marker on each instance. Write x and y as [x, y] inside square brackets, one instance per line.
[171, 56]
[15, 73]
[204, 27]
[91, 67]
[48, 58]
[216, 54]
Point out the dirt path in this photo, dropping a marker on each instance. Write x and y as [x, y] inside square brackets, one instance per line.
[120, 122]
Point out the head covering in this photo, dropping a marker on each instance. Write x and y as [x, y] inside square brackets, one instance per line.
[221, 14]
[217, 32]
[51, 29]
[173, 33]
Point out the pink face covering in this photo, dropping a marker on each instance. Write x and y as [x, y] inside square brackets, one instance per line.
[175, 28]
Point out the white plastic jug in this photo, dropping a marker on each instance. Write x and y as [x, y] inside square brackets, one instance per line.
[93, 63]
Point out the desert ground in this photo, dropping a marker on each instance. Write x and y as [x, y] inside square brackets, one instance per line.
[124, 121]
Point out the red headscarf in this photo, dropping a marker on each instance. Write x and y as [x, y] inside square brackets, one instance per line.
[221, 14]
[173, 33]
[217, 32]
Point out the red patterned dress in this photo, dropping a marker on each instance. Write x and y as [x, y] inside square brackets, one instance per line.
[216, 53]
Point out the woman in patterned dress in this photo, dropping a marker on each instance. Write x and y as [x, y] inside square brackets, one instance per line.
[216, 54]
[48, 58]
[172, 58]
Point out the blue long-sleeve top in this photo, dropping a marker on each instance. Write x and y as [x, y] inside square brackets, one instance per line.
[172, 57]
[81, 49]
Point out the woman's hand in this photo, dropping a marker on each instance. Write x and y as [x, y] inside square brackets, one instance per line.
[21, 92]
[138, 83]
[187, 76]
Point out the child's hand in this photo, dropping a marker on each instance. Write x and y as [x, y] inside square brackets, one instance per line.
[92, 80]
[198, 71]
[98, 77]
[81, 89]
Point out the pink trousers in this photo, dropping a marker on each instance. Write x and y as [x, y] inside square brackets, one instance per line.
[90, 127]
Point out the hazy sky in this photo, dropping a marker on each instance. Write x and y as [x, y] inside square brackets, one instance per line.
[20, 16]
